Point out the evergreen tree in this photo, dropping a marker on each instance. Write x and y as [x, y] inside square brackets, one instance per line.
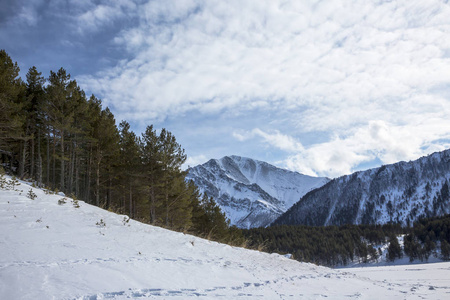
[216, 223]
[11, 88]
[394, 249]
[60, 112]
[445, 250]
[106, 152]
[412, 248]
[172, 156]
[130, 163]
[152, 170]
[34, 120]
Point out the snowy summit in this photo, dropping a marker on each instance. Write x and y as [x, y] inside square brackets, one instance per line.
[252, 193]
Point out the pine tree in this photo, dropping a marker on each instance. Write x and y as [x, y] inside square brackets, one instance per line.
[130, 163]
[105, 154]
[60, 112]
[171, 158]
[34, 120]
[445, 250]
[216, 223]
[394, 249]
[11, 88]
[151, 169]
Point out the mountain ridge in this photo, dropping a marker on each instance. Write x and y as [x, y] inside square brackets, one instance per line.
[252, 193]
[400, 192]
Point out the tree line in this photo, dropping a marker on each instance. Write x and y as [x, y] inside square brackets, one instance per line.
[341, 245]
[53, 134]
[427, 237]
[324, 245]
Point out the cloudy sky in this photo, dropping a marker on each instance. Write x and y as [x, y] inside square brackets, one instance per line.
[321, 87]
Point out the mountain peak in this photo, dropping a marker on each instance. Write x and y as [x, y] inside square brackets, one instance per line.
[252, 193]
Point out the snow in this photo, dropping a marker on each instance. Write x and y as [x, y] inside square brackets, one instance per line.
[435, 284]
[238, 184]
[52, 251]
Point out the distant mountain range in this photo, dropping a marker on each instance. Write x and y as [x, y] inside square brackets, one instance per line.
[251, 193]
[400, 192]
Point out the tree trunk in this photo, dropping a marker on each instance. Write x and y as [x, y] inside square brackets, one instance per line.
[109, 203]
[131, 202]
[77, 176]
[48, 160]
[166, 188]
[152, 204]
[32, 174]
[97, 185]
[88, 177]
[62, 179]
[39, 168]
[71, 168]
[22, 159]
[54, 161]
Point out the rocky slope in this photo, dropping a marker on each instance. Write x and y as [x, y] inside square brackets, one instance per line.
[400, 192]
[251, 193]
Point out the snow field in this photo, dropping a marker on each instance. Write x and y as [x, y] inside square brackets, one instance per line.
[52, 251]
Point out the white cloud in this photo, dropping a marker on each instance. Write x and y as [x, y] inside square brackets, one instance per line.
[210, 56]
[376, 140]
[193, 161]
[93, 16]
[374, 75]
[19, 13]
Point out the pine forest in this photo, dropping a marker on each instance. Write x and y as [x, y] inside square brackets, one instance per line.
[62, 140]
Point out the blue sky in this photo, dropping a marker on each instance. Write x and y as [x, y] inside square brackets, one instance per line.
[320, 87]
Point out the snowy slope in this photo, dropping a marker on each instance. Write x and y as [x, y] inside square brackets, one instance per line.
[251, 193]
[52, 251]
[401, 192]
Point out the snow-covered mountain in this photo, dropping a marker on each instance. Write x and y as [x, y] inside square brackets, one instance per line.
[251, 193]
[52, 247]
[400, 192]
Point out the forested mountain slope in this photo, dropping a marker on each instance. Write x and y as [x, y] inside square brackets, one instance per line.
[252, 193]
[400, 192]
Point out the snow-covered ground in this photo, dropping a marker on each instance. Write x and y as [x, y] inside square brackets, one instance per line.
[57, 251]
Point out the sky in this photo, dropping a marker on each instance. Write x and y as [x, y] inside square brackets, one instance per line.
[324, 88]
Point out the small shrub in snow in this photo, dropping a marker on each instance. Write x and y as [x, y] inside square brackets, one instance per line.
[75, 203]
[125, 220]
[9, 184]
[62, 201]
[3, 182]
[48, 190]
[31, 194]
[101, 223]
[13, 183]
